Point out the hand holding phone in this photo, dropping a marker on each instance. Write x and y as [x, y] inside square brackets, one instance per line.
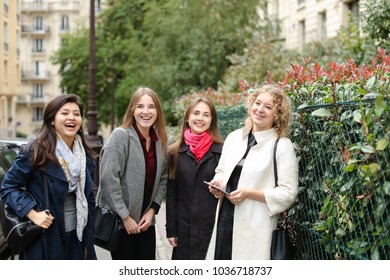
[217, 188]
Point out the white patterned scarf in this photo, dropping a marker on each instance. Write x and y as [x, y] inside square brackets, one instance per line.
[74, 166]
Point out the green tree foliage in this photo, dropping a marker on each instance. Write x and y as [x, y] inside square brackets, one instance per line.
[376, 22]
[74, 68]
[171, 46]
[261, 61]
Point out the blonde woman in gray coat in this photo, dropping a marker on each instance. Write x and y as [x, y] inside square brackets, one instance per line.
[133, 174]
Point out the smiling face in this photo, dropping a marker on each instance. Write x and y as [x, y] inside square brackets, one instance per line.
[145, 113]
[200, 118]
[262, 112]
[67, 122]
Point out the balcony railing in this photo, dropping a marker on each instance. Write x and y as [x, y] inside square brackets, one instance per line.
[32, 99]
[33, 30]
[59, 6]
[34, 7]
[34, 75]
[38, 52]
[65, 6]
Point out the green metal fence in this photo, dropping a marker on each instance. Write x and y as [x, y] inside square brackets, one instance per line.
[339, 213]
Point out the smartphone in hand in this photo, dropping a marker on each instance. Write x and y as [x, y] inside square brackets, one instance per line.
[217, 188]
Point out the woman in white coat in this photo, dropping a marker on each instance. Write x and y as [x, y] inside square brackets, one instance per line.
[247, 217]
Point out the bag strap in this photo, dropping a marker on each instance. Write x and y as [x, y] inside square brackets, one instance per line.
[46, 190]
[275, 164]
[283, 215]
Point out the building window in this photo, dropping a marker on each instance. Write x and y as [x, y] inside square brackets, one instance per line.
[38, 71]
[38, 91]
[5, 36]
[37, 114]
[17, 42]
[322, 26]
[38, 24]
[5, 5]
[351, 8]
[64, 23]
[5, 65]
[98, 6]
[38, 45]
[301, 34]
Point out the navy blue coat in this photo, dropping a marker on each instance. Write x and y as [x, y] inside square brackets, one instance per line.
[21, 174]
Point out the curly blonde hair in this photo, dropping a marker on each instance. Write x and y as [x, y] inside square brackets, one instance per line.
[283, 115]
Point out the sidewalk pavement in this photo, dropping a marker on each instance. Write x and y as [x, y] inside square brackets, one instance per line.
[163, 249]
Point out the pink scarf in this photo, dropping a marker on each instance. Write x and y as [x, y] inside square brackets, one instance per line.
[199, 143]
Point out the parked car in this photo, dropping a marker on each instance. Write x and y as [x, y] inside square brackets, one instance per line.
[7, 156]
[13, 144]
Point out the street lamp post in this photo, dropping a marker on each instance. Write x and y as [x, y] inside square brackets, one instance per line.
[93, 139]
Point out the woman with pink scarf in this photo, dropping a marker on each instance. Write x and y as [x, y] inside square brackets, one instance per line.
[192, 160]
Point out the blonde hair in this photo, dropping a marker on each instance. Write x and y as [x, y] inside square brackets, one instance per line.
[283, 113]
[159, 125]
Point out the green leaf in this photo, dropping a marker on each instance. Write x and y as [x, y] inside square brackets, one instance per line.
[362, 91]
[349, 168]
[382, 144]
[304, 105]
[371, 82]
[340, 232]
[357, 116]
[380, 107]
[329, 221]
[322, 113]
[351, 161]
[374, 167]
[375, 254]
[368, 149]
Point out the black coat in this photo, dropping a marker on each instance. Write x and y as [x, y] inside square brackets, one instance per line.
[190, 205]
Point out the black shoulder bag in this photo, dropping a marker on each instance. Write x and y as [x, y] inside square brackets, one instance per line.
[284, 236]
[20, 233]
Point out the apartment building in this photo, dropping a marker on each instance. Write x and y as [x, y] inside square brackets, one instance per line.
[9, 66]
[43, 25]
[305, 21]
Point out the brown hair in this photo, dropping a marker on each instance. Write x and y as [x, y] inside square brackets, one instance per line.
[282, 112]
[213, 130]
[159, 125]
[46, 141]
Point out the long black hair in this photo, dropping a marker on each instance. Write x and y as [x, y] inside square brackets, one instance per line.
[46, 141]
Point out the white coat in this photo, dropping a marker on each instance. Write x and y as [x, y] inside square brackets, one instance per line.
[254, 221]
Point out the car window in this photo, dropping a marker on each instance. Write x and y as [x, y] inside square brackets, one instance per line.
[6, 159]
[9, 156]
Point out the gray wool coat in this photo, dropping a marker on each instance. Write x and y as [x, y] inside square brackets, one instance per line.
[122, 174]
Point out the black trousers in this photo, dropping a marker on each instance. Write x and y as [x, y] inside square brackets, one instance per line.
[141, 246]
